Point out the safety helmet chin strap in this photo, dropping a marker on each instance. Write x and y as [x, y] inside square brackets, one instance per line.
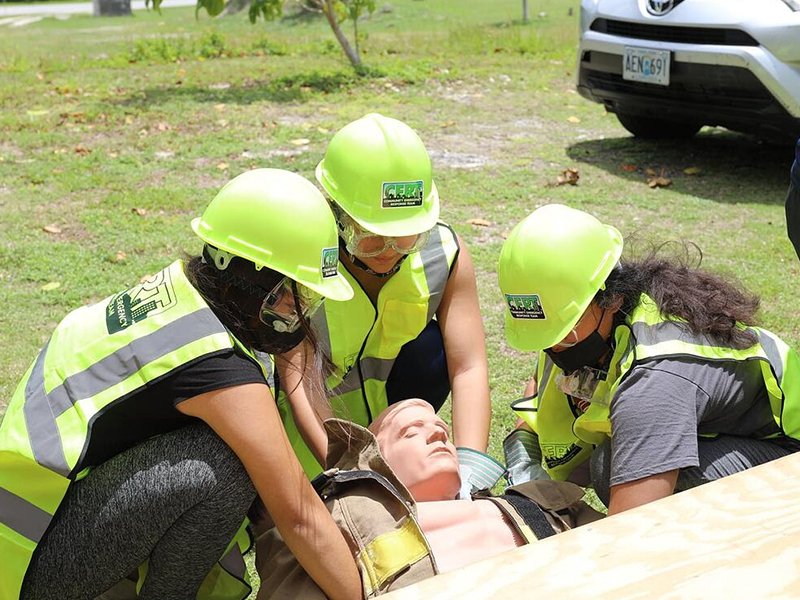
[364, 267]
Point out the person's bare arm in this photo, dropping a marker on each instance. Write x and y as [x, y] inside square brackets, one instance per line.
[641, 491]
[465, 346]
[309, 412]
[246, 417]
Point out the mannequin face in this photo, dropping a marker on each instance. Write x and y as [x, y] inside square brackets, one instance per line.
[415, 443]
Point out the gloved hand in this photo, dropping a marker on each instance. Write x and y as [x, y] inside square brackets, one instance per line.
[479, 471]
[523, 457]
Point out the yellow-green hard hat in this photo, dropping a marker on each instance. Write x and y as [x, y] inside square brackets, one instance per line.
[377, 170]
[552, 264]
[280, 220]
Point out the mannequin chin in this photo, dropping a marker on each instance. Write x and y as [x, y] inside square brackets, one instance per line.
[415, 443]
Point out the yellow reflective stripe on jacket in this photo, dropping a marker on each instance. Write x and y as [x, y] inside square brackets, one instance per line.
[389, 553]
[363, 340]
[97, 355]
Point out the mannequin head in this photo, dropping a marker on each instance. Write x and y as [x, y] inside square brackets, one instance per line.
[415, 443]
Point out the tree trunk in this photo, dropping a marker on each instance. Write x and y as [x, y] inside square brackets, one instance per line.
[111, 8]
[525, 11]
[351, 54]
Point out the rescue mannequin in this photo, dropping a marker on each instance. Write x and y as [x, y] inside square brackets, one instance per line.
[403, 503]
[146, 427]
[662, 354]
[413, 328]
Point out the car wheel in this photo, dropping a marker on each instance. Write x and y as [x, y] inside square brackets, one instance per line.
[650, 128]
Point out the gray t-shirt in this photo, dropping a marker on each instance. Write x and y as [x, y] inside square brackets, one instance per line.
[662, 405]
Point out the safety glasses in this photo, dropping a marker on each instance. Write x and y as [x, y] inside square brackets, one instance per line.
[279, 309]
[365, 244]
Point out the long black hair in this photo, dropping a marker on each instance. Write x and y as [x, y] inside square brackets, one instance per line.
[711, 305]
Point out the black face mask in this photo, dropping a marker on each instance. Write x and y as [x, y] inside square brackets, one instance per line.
[278, 342]
[586, 353]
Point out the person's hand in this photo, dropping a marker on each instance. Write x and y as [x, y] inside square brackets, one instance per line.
[523, 457]
[478, 471]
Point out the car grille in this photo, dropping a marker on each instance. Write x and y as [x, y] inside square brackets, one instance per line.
[669, 33]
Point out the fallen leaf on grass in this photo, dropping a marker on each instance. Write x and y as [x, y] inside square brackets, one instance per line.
[479, 222]
[40, 76]
[650, 172]
[573, 119]
[145, 278]
[129, 120]
[222, 123]
[139, 211]
[629, 168]
[222, 166]
[505, 234]
[570, 176]
[447, 124]
[693, 171]
[657, 182]
[120, 256]
[82, 150]
[51, 229]
[163, 127]
[53, 285]
[219, 107]
[300, 142]
[112, 155]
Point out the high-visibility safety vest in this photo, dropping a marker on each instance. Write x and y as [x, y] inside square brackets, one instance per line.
[363, 339]
[97, 357]
[567, 436]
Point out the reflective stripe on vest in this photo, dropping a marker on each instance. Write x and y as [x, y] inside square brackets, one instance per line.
[648, 335]
[363, 341]
[96, 356]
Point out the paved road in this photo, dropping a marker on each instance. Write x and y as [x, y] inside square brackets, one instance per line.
[10, 10]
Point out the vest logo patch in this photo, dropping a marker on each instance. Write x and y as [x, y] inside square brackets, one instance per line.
[330, 262]
[556, 455]
[401, 194]
[525, 306]
[152, 297]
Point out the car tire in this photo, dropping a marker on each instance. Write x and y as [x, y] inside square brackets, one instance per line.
[650, 128]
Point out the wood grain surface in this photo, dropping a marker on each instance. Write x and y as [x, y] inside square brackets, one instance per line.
[736, 538]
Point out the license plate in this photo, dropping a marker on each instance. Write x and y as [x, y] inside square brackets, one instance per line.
[646, 65]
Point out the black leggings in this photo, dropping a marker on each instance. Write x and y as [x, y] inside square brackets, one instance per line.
[177, 499]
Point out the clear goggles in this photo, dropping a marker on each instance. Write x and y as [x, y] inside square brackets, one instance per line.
[279, 309]
[365, 244]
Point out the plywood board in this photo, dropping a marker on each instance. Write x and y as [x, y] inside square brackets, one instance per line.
[736, 538]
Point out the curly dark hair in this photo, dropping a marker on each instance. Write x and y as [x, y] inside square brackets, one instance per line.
[711, 305]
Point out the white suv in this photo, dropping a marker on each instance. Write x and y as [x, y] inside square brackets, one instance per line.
[668, 67]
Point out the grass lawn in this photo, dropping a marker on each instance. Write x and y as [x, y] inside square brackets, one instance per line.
[116, 132]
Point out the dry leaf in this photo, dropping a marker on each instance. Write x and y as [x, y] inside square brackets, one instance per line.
[113, 155]
[693, 171]
[650, 172]
[82, 150]
[322, 130]
[222, 122]
[129, 120]
[505, 234]
[120, 257]
[181, 72]
[573, 119]
[222, 166]
[657, 182]
[300, 142]
[629, 168]
[145, 278]
[447, 124]
[163, 127]
[219, 107]
[139, 211]
[569, 176]
[51, 229]
[479, 222]
[53, 285]
[40, 76]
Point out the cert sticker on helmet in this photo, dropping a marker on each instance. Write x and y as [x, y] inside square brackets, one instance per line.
[330, 262]
[525, 306]
[402, 194]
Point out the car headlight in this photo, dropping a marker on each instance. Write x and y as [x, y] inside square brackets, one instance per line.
[793, 4]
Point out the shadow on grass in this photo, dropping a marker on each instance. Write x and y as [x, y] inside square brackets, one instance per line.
[723, 166]
[294, 88]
